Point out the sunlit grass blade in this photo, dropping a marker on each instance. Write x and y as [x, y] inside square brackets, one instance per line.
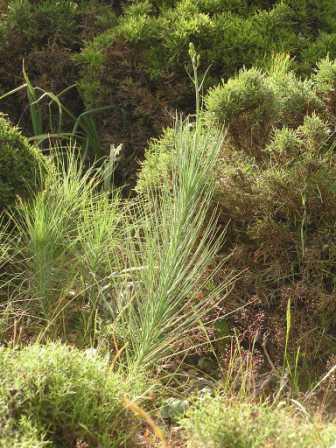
[173, 244]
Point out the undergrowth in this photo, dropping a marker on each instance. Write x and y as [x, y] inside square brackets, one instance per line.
[198, 310]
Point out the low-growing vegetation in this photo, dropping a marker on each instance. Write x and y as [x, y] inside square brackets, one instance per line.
[59, 396]
[220, 421]
[167, 245]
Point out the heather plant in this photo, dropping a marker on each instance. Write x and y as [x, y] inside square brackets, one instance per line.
[296, 98]
[150, 43]
[284, 211]
[156, 167]
[253, 103]
[324, 79]
[146, 44]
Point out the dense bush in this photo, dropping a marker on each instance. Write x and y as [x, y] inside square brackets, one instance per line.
[132, 55]
[21, 165]
[139, 66]
[277, 192]
[63, 397]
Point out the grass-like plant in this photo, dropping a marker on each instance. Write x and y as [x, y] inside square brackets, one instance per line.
[170, 250]
[62, 239]
[137, 265]
[48, 114]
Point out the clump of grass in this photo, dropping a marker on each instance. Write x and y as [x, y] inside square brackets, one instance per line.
[174, 243]
[85, 258]
[52, 120]
[62, 240]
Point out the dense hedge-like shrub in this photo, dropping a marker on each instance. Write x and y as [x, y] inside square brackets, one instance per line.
[138, 65]
[157, 165]
[132, 55]
[64, 397]
[252, 103]
[21, 165]
[278, 194]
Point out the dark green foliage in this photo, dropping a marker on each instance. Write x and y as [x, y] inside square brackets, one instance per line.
[313, 16]
[21, 165]
[62, 395]
[45, 34]
[324, 45]
[132, 55]
[139, 65]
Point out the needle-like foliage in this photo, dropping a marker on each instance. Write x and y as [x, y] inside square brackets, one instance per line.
[169, 250]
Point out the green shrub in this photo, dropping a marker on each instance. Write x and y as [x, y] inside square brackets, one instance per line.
[324, 45]
[246, 105]
[295, 97]
[285, 144]
[251, 104]
[223, 422]
[279, 197]
[281, 212]
[21, 435]
[138, 65]
[65, 396]
[315, 133]
[132, 56]
[325, 81]
[325, 75]
[21, 165]
[313, 16]
[289, 144]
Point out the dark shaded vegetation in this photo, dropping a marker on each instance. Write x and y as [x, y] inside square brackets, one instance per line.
[132, 56]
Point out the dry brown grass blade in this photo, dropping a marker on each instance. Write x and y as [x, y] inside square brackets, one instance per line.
[141, 413]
